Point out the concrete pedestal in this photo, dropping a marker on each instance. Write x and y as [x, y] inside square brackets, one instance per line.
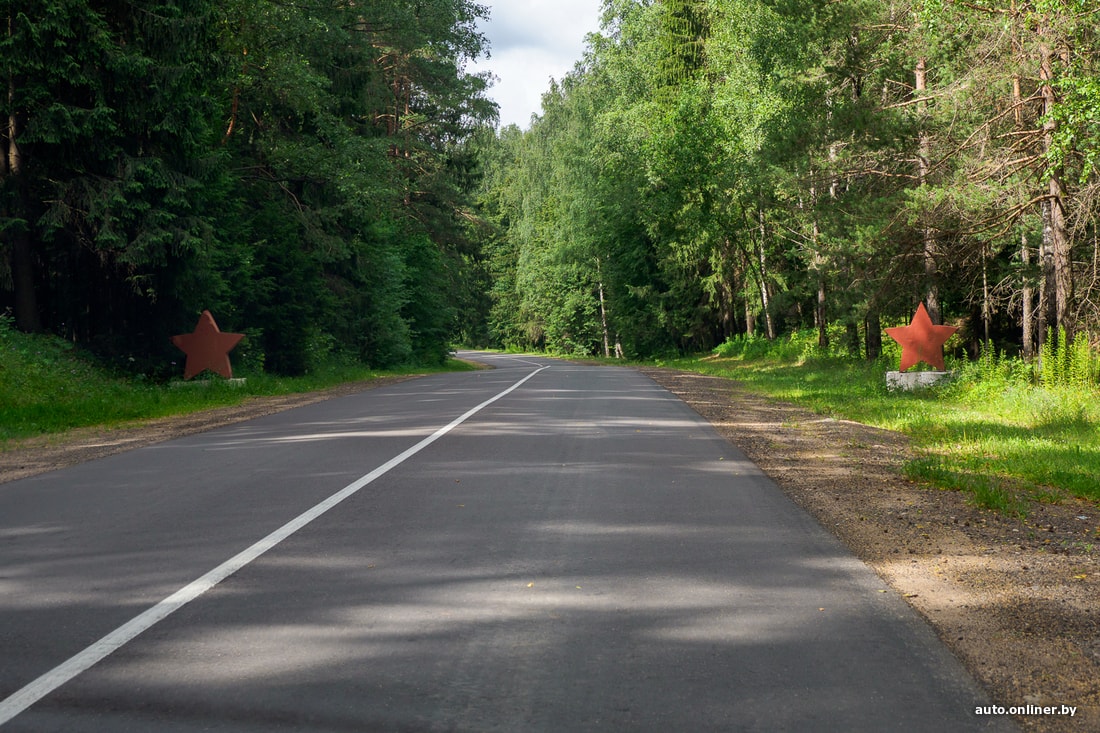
[915, 380]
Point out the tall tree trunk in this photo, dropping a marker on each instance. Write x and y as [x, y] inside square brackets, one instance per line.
[728, 305]
[27, 317]
[986, 308]
[1027, 295]
[769, 324]
[1048, 317]
[1062, 261]
[1061, 264]
[874, 335]
[818, 266]
[820, 314]
[727, 297]
[603, 312]
[924, 167]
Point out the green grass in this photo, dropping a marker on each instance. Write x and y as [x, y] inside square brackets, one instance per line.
[992, 432]
[48, 386]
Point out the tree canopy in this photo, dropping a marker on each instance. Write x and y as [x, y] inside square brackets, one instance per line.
[297, 168]
[327, 177]
[723, 167]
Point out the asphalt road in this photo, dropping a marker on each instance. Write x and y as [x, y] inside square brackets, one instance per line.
[581, 553]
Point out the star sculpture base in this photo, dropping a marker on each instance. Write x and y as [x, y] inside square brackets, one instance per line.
[909, 381]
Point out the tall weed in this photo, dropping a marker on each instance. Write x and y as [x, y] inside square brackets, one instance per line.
[1064, 362]
[797, 346]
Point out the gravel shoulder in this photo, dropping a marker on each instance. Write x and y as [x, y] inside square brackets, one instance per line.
[1017, 601]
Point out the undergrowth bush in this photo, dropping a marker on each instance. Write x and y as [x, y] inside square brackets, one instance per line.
[1064, 362]
[753, 347]
[797, 346]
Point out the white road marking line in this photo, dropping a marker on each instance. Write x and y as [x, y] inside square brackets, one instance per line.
[59, 675]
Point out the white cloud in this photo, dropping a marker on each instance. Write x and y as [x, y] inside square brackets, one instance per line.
[533, 41]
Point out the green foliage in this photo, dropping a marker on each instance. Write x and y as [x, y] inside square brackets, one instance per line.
[992, 432]
[323, 176]
[682, 38]
[747, 167]
[1064, 362]
[299, 170]
[799, 346]
[994, 372]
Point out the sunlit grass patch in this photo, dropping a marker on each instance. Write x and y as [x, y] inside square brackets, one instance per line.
[987, 490]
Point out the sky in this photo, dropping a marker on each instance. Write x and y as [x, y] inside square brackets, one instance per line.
[532, 41]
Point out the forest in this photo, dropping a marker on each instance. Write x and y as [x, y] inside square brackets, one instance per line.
[722, 169]
[300, 169]
[326, 177]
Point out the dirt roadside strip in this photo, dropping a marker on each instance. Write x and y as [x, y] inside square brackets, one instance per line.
[1018, 602]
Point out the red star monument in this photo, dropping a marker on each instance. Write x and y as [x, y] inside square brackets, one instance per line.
[921, 340]
[207, 348]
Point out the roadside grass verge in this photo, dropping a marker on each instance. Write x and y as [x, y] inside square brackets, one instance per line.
[48, 386]
[991, 432]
